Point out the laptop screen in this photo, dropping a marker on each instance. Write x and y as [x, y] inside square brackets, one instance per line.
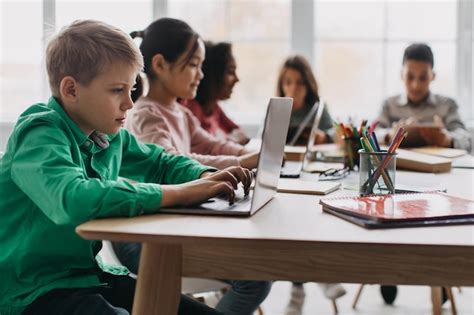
[314, 128]
[271, 151]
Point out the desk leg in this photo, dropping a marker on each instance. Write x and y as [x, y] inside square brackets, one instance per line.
[436, 300]
[159, 280]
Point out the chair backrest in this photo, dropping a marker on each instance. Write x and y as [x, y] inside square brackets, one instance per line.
[201, 285]
[109, 257]
[188, 285]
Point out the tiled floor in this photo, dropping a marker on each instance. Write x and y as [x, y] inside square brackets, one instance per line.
[411, 300]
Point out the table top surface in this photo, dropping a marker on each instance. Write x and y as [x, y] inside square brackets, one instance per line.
[291, 218]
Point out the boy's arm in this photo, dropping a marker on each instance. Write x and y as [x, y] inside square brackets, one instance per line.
[44, 169]
[150, 163]
[460, 136]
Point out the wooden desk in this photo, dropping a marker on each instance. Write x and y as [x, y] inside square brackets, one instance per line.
[290, 239]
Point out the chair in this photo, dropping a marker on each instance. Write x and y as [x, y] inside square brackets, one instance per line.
[435, 298]
[189, 286]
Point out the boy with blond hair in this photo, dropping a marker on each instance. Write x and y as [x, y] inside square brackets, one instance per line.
[61, 168]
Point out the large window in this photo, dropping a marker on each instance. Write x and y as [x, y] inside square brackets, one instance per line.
[22, 76]
[359, 47]
[126, 15]
[21, 56]
[260, 35]
[355, 46]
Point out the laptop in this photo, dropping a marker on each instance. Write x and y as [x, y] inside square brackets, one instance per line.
[293, 169]
[272, 147]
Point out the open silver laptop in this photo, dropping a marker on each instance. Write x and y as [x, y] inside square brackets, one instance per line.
[274, 133]
[293, 169]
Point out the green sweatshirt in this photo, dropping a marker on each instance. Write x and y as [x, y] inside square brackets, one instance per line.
[53, 178]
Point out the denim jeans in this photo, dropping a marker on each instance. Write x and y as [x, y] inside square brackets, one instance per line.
[243, 298]
[115, 298]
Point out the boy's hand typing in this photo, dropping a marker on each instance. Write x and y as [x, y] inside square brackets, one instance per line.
[223, 182]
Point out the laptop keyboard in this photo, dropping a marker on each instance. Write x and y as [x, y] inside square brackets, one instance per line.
[221, 203]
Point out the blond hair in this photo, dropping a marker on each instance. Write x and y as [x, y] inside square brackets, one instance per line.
[84, 48]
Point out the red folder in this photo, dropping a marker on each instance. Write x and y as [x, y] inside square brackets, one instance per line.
[402, 210]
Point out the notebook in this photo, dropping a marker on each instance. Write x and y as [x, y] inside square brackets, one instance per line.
[402, 210]
[276, 124]
[293, 169]
[298, 186]
[373, 224]
[415, 161]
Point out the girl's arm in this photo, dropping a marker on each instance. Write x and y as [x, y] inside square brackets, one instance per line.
[202, 142]
[151, 127]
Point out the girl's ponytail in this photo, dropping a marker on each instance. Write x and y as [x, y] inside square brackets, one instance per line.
[136, 34]
[138, 89]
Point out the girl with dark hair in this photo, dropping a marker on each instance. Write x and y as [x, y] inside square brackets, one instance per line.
[173, 53]
[220, 76]
[296, 80]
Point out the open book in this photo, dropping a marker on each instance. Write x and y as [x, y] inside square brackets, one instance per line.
[402, 210]
[415, 138]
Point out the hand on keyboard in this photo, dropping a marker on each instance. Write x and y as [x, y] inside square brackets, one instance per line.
[223, 182]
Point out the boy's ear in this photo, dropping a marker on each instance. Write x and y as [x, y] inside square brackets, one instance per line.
[68, 89]
[158, 63]
[434, 76]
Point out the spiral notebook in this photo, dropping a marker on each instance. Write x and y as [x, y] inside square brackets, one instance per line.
[402, 210]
